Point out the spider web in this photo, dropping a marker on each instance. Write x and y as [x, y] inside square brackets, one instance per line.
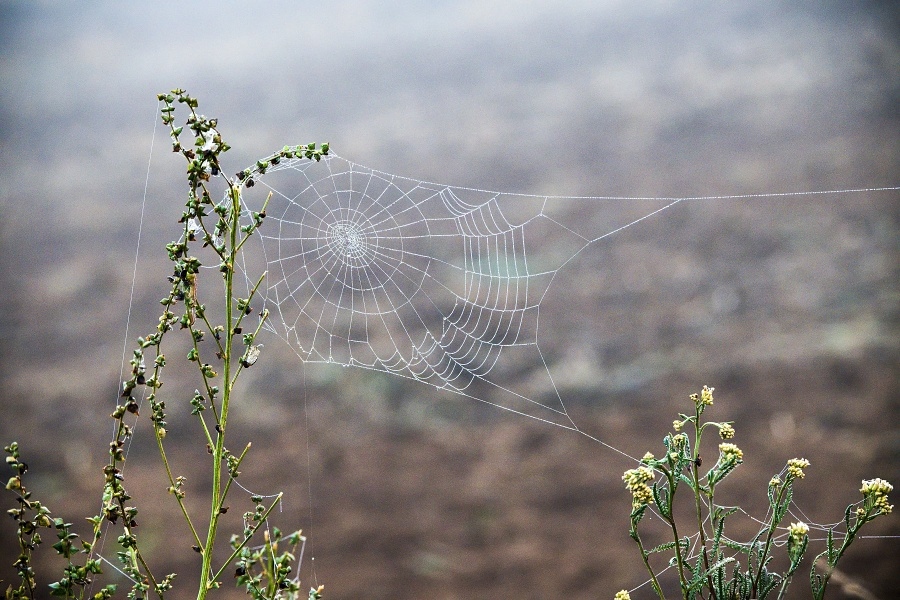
[439, 284]
[435, 283]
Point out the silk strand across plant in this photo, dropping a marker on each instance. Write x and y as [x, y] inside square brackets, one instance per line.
[222, 339]
[708, 561]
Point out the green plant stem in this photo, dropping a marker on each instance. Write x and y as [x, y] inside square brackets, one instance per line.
[144, 564]
[206, 385]
[784, 586]
[273, 569]
[165, 460]
[135, 555]
[247, 538]
[670, 519]
[25, 549]
[848, 539]
[771, 531]
[209, 328]
[237, 464]
[698, 432]
[644, 555]
[219, 450]
[262, 321]
[240, 319]
[262, 210]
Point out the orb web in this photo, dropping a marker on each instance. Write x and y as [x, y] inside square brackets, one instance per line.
[435, 283]
[439, 284]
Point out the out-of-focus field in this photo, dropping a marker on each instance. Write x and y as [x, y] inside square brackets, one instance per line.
[787, 305]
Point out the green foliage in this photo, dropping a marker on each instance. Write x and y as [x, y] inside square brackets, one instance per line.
[31, 516]
[211, 230]
[715, 570]
[265, 570]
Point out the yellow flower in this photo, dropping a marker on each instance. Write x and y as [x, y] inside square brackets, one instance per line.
[877, 490]
[633, 477]
[706, 395]
[636, 482]
[647, 457]
[797, 532]
[795, 467]
[622, 595]
[775, 481]
[640, 495]
[726, 431]
[677, 425]
[731, 452]
[881, 503]
[877, 487]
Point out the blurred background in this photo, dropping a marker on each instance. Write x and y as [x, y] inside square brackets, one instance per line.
[787, 305]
